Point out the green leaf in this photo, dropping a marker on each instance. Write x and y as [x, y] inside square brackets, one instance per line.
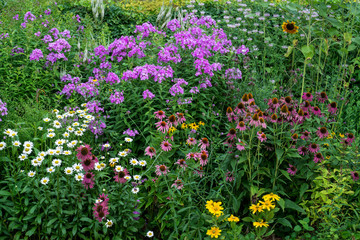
[289, 51]
[281, 202]
[248, 219]
[51, 222]
[297, 228]
[290, 204]
[31, 232]
[303, 189]
[308, 51]
[284, 222]
[4, 193]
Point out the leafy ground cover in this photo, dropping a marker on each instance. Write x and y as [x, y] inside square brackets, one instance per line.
[196, 120]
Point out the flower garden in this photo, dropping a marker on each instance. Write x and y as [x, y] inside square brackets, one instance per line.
[185, 120]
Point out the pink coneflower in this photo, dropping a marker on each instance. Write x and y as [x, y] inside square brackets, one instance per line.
[229, 142]
[274, 103]
[292, 169]
[307, 96]
[300, 115]
[284, 111]
[230, 114]
[322, 132]
[150, 151]
[204, 143]
[120, 176]
[295, 137]
[350, 137]
[288, 100]
[160, 114]
[318, 157]
[104, 198]
[241, 145]
[346, 142]
[262, 122]
[89, 163]
[181, 118]
[251, 98]
[229, 176]
[166, 146]
[322, 97]
[88, 180]
[355, 175]
[191, 141]
[199, 172]
[314, 148]
[100, 211]
[203, 158]
[240, 108]
[162, 126]
[306, 106]
[255, 120]
[181, 163]
[332, 108]
[232, 133]
[191, 155]
[262, 137]
[273, 118]
[302, 150]
[172, 121]
[178, 184]
[245, 98]
[305, 135]
[241, 126]
[161, 170]
[84, 152]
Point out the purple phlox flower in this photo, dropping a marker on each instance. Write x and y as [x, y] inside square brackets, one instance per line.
[117, 97]
[47, 11]
[3, 109]
[147, 94]
[112, 78]
[36, 55]
[242, 50]
[30, 16]
[94, 107]
[16, 17]
[233, 73]
[60, 45]
[176, 88]
[145, 29]
[55, 32]
[47, 39]
[173, 25]
[130, 132]
[66, 33]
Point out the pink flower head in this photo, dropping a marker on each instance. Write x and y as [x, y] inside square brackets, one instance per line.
[241, 145]
[241, 126]
[314, 148]
[305, 135]
[204, 143]
[292, 169]
[332, 108]
[255, 120]
[178, 184]
[89, 163]
[88, 180]
[162, 126]
[191, 141]
[104, 198]
[160, 114]
[203, 157]
[316, 111]
[100, 211]
[166, 146]
[181, 163]
[161, 170]
[322, 132]
[306, 106]
[180, 118]
[229, 176]
[148, 94]
[262, 137]
[355, 175]
[120, 176]
[350, 137]
[150, 151]
[172, 121]
[230, 114]
[307, 96]
[199, 172]
[191, 155]
[322, 97]
[231, 134]
[84, 152]
[318, 157]
[302, 150]
[262, 122]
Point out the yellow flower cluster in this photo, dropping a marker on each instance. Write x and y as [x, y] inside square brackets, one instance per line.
[266, 204]
[214, 208]
[214, 232]
[193, 125]
[260, 224]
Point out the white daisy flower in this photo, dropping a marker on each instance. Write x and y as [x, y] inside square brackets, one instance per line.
[70, 129]
[128, 177]
[60, 142]
[31, 174]
[106, 145]
[79, 177]
[79, 133]
[98, 201]
[79, 111]
[40, 128]
[39, 158]
[67, 152]
[56, 124]
[68, 171]
[109, 223]
[66, 134]
[59, 117]
[16, 143]
[123, 154]
[86, 121]
[51, 152]
[150, 234]
[27, 150]
[42, 154]
[22, 157]
[8, 131]
[45, 180]
[46, 119]
[2, 145]
[137, 177]
[83, 105]
[56, 162]
[103, 165]
[50, 130]
[50, 169]
[142, 163]
[55, 111]
[119, 168]
[98, 167]
[84, 125]
[134, 162]
[58, 151]
[75, 124]
[77, 167]
[13, 134]
[135, 190]
[102, 157]
[127, 139]
[50, 135]
[36, 162]
[28, 144]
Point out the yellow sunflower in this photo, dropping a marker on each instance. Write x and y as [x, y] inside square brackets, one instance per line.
[267, 205]
[260, 224]
[271, 197]
[256, 208]
[214, 232]
[216, 209]
[290, 27]
[232, 218]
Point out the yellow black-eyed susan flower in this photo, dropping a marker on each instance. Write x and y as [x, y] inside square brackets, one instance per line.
[290, 27]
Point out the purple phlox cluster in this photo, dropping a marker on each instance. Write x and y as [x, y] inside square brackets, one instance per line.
[159, 73]
[205, 83]
[147, 94]
[3, 109]
[4, 35]
[16, 17]
[29, 16]
[117, 97]
[16, 50]
[68, 78]
[194, 90]
[101, 52]
[206, 21]
[242, 50]
[173, 25]
[112, 78]
[182, 101]
[53, 57]
[86, 90]
[145, 29]
[233, 73]
[105, 65]
[36, 55]
[78, 18]
[204, 67]
[38, 34]
[169, 53]
[94, 107]
[124, 46]
[81, 28]
[55, 32]
[176, 88]
[66, 33]
[130, 133]
[46, 23]
[47, 11]
[47, 39]
[60, 45]
[98, 73]
[96, 127]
